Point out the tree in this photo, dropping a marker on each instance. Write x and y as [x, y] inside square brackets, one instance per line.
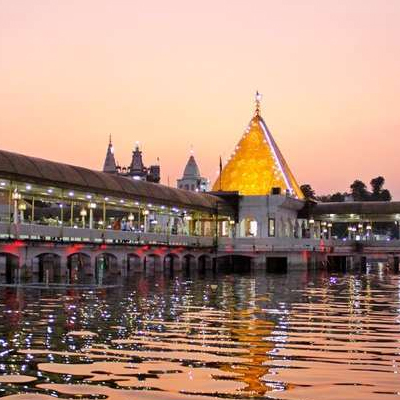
[359, 191]
[385, 195]
[379, 194]
[338, 197]
[377, 184]
[308, 191]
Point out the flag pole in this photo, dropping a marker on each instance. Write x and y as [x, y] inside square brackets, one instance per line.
[220, 173]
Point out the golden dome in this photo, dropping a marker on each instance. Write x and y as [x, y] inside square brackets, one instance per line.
[257, 165]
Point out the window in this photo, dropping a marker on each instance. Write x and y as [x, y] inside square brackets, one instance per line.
[271, 227]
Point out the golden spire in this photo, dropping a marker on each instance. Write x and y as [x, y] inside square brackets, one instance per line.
[256, 166]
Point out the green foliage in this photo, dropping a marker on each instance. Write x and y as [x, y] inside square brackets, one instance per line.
[359, 192]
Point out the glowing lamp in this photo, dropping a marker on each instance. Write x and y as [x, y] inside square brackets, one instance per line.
[16, 195]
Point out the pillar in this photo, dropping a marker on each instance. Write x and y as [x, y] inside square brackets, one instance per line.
[258, 263]
[177, 266]
[90, 267]
[63, 265]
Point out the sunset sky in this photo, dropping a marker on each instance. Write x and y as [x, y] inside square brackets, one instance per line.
[175, 74]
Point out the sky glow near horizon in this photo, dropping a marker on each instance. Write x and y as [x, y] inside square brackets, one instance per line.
[175, 74]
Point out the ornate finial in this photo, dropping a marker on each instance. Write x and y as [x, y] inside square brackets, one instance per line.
[191, 150]
[258, 100]
[110, 139]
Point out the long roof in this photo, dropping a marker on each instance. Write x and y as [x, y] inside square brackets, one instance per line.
[356, 207]
[18, 167]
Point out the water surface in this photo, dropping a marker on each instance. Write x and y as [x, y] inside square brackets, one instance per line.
[303, 336]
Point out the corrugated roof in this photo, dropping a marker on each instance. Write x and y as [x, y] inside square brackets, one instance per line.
[356, 207]
[44, 172]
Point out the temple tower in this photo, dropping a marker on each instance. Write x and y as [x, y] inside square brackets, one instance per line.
[191, 179]
[137, 169]
[110, 165]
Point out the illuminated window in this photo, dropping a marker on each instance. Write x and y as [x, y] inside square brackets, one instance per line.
[271, 227]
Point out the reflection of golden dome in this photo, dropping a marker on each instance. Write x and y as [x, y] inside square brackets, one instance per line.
[251, 332]
[257, 165]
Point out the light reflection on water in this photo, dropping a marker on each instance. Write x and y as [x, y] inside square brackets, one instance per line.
[301, 336]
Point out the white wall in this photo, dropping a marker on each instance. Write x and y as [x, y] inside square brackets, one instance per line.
[260, 208]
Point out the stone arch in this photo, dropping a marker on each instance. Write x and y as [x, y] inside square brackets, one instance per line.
[9, 263]
[78, 265]
[46, 267]
[105, 264]
[152, 262]
[234, 262]
[134, 263]
[189, 261]
[108, 261]
[204, 261]
[172, 261]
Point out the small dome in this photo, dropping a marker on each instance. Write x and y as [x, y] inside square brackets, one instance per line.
[191, 169]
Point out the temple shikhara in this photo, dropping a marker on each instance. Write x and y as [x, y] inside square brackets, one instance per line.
[257, 166]
[191, 178]
[136, 170]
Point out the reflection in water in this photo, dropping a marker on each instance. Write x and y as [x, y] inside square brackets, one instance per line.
[298, 336]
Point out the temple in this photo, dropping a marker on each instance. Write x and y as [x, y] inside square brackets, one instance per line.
[192, 179]
[136, 170]
[257, 166]
[110, 165]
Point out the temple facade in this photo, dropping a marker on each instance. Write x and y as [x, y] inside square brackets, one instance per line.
[191, 178]
[136, 169]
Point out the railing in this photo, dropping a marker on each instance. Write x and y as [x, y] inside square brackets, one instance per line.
[270, 244]
[83, 235]
[68, 234]
[295, 244]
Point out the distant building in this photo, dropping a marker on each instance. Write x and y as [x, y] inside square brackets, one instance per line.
[136, 169]
[191, 179]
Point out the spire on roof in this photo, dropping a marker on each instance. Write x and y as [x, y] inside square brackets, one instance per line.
[191, 179]
[191, 169]
[137, 167]
[257, 165]
[258, 102]
[110, 165]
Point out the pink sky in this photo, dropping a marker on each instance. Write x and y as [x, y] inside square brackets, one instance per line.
[172, 74]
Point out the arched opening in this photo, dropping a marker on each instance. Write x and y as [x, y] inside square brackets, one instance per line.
[152, 262]
[9, 267]
[277, 265]
[234, 263]
[77, 265]
[249, 227]
[189, 262]
[47, 268]
[205, 262]
[171, 262]
[105, 265]
[134, 263]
